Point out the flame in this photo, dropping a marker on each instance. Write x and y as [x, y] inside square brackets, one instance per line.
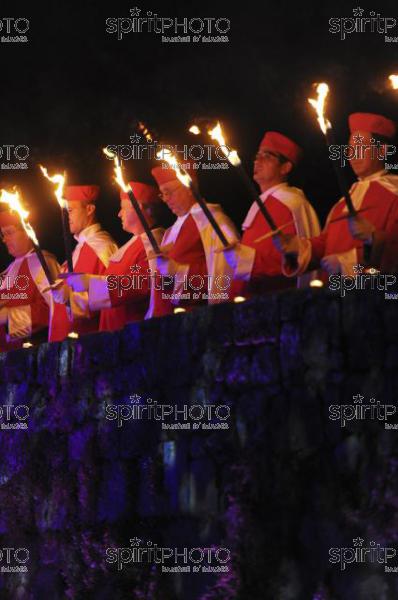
[394, 81]
[316, 283]
[14, 203]
[194, 129]
[217, 134]
[145, 131]
[239, 299]
[319, 105]
[59, 180]
[73, 335]
[117, 169]
[167, 155]
[108, 153]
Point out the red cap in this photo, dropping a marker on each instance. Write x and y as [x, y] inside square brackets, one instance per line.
[146, 194]
[164, 175]
[9, 218]
[276, 142]
[81, 193]
[372, 124]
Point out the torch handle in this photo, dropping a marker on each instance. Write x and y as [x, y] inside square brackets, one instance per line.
[67, 244]
[254, 194]
[209, 215]
[144, 222]
[344, 189]
[43, 263]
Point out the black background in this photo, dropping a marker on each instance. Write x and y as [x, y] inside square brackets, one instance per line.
[74, 88]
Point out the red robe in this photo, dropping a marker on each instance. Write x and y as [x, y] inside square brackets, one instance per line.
[266, 274]
[28, 307]
[203, 269]
[288, 206]
[91, 256]
[377, 199]
[188, 249]
[132, 300]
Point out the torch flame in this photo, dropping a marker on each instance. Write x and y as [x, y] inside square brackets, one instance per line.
[145, 131]
[167, 155]
[194, 129]
[108, 153]
[319, 105]
[217, 134]
[117, 169]
[13, 201]
[59, 180]
[394, 81]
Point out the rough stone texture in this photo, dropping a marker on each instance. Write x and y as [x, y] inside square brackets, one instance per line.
[278, 488]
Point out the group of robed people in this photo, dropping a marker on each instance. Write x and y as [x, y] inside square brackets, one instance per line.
[112, 286]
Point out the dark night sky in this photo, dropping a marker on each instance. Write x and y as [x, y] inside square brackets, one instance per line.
[74, 88]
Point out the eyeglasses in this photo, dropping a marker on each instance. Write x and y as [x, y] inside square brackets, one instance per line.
[267, 154]
[167, 193]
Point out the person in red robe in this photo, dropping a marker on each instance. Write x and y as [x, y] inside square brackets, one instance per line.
[202, 270]
[275, 160]
[369, 236]
[91, 255]
[126, 291]
[25, 307]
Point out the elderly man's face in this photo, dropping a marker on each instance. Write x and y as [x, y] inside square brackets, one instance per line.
[178, 198]
[16, 240]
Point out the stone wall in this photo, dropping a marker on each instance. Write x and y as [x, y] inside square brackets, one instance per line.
[276, 489]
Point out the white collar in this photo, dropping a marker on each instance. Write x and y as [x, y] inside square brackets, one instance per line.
[87, 233]
[194, 209]
[21, 258]
[178, 223]
[118, 255]
[264, 195]
[374, 176]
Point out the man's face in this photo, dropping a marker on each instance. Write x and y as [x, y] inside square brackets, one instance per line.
[128, 216]
[366, 161]
[16, 240]
[178, 198]
[268, 169]
[80, 215]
